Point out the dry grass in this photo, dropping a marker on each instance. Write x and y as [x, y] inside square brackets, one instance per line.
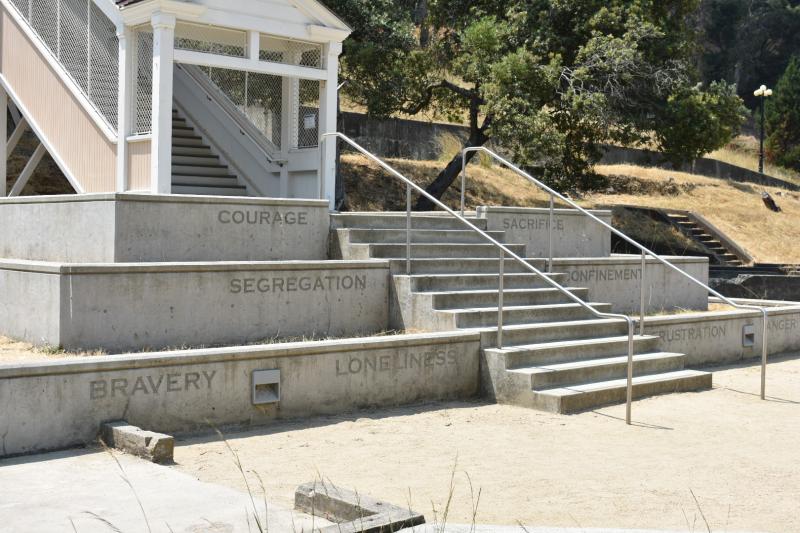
[743, 152]
[371, 189]
[735, 208]
[14, 351]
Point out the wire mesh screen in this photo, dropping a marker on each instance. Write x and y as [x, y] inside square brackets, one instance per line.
[258, 96]
[290, 52]
[307, 110]
[84, 41]
[143, 119]
[210, 39]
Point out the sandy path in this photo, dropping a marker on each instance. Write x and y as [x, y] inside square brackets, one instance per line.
[740, 456]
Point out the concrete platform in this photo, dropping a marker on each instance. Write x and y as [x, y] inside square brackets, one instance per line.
[74, 490]
[129, 227]
[140, 306]
[53, 405]
[574, 234]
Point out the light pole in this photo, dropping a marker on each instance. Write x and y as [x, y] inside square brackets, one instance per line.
[762, 93]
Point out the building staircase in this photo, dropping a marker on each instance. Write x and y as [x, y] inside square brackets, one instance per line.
[196, 169]
[556, 355]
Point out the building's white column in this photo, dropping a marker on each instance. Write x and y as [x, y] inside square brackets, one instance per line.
[3, 141]
[126, 94]
[327, 123]
[161, 155]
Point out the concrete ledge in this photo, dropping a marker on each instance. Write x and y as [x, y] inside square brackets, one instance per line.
[723, 337]
[574, 235]
[353, 512]
[155, 447]
[616, 280]
[131, 227]
[124, 307]
[59, 404]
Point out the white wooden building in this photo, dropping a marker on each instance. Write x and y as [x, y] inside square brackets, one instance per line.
[219, 97]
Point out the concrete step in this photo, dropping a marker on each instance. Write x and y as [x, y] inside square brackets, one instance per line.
[443, 236]
[449, 282]
[572, 330]
[488, 297]
[206, 181]
[210, 160]
[209, 191]
[397, 220]
[522, 314]
[569, 350]
[384, 251]
[588, 396]
[185, 170]
[601, 369]
[460, 266]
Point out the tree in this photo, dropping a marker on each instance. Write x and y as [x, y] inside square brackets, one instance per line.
[549, 80]
[696, 122]
[783, 118]
[748, 43]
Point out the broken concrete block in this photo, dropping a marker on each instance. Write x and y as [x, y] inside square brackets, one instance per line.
[352, 512]
[155, 447]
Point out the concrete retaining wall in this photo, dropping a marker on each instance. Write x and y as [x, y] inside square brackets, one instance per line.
[720, 337]
[616, 280]
[142, 227]
[59, 404]
[574, 235]
[120, 307]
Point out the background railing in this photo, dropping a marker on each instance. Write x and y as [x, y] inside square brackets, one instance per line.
[645, 253]
[503, 253]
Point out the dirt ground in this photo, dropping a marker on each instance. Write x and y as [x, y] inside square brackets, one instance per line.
[13, 352]
[721, 456]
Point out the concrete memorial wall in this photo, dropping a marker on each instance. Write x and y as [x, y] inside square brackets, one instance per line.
[723, 337]
[122, 306]
[58, 404]
[574, 234]
[616, 280]
[106, 228]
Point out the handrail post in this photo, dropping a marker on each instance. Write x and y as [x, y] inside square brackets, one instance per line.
[550, 227]
[463, 180]
[641, 294]
[500, 284]
[764, 355]
[629, 392]
[408, 230]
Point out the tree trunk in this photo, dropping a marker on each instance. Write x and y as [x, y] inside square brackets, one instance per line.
[449, 174]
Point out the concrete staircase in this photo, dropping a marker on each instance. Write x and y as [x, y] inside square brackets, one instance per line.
[692, 229]
[196, 169]
[556, 355]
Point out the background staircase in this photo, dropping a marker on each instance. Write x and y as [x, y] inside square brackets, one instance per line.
[691, 227]
[556, 355]
[196, 169]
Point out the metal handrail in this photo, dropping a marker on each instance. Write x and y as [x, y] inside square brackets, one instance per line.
[504, 251]
[644, 251]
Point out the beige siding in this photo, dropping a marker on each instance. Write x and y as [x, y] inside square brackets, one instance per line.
[139, 165]
[77, 140]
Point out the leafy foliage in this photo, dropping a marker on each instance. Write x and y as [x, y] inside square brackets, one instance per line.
[696, 122]
[549, 80]
[783, 118]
